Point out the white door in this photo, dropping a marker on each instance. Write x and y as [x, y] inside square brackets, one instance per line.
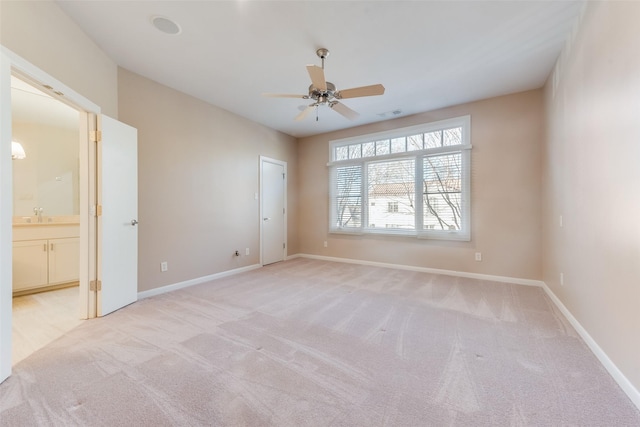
[273, 218]
[117, 226]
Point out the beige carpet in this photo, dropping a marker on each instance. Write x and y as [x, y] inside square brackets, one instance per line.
[312, 343]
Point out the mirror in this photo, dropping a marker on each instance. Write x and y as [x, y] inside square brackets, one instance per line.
[48, 130]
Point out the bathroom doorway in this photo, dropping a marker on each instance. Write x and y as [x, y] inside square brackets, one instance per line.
[46, 218]
[104, 145]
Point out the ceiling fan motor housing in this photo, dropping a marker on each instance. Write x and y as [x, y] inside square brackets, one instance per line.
[321, 96]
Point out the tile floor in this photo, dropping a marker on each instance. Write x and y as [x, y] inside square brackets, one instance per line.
[39, 319]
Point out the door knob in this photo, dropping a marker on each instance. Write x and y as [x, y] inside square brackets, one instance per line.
[134, 222]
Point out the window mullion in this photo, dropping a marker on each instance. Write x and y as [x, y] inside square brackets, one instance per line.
[408, 155]
[364, 197]
[419, 194]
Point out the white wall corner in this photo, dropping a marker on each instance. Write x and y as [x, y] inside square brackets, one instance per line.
[608, 364]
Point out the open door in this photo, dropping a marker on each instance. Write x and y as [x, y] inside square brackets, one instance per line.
[117, 240]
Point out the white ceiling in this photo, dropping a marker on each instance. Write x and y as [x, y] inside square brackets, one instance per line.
[428, 54]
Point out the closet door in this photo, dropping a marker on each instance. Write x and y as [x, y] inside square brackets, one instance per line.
[273, 186]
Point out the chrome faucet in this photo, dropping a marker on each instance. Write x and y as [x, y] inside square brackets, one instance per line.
[38, 212]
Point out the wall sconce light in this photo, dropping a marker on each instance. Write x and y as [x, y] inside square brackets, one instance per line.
[17, 151]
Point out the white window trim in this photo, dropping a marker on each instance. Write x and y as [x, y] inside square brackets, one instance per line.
[465, 149]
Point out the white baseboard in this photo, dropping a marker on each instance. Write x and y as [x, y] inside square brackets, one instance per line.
[196, 281]
[503, 279]
[608, 364]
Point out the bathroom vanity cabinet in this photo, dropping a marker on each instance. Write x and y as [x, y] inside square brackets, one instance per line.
[45, 255]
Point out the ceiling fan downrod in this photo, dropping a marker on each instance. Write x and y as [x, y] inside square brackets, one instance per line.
[322, 53]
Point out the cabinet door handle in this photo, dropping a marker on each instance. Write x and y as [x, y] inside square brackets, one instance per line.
[51, 247]
[44, 247]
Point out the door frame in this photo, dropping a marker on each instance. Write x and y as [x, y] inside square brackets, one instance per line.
[10, 63]
[264, 159]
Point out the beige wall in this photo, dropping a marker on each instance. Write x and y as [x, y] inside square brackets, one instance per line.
[506, 134]
[42, 34]
[592, 178]
[198, 174]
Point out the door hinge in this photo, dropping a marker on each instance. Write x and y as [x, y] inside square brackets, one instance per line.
[283, 176]
[95, 285]
[98, 210]
[282, 211]
[284, 246]
[96, 135]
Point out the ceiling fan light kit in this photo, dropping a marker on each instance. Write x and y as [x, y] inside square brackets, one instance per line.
[323, 92]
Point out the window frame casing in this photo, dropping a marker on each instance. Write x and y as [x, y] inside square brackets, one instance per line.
[420, 230]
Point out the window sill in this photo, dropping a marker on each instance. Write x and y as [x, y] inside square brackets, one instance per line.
[446, 236]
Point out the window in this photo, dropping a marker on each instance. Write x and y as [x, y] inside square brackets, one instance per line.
[414, 180]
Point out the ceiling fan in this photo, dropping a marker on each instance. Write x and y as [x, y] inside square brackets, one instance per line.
[323, 92]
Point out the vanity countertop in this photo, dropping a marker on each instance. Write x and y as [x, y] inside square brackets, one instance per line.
[44, 224]
[53, 227]
[47, 221]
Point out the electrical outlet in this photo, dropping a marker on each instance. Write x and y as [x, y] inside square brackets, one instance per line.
[164, 266]
[246, 251]
[325, 243]
[478, 256]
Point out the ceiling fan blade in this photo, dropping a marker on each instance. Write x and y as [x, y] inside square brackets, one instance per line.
[304, 113]
[284, 95]
[361, 91]
[317, 77]
[344, 110]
